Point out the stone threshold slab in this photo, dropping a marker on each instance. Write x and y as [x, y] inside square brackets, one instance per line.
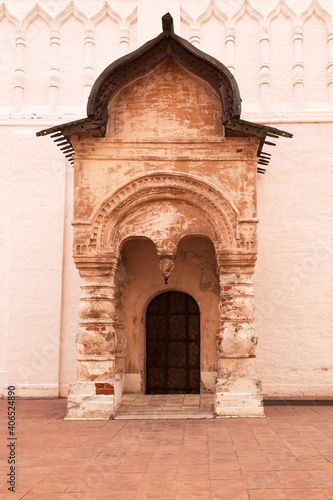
[162, 416]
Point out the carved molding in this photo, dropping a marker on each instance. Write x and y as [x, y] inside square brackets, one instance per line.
[281, 8]
[56, 14]
[246, 8]
[71, 10]
[148, 187]
[6, 14]
[33, 14]
[105, 11]
[212, 9]
[315, 9]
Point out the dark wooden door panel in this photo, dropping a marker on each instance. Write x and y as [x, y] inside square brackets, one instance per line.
[173, 344]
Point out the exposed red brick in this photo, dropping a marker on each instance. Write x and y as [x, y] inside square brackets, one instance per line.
[104, 388]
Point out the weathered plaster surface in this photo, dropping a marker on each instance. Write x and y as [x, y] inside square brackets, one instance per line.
[294, 269]
[156, 198]
[168, 102]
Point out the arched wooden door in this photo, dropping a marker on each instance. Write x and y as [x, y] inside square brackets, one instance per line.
[173, 344]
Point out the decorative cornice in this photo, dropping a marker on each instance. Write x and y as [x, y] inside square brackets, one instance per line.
[281, 8]
[105, 11]
[315, 9]
[6, 14]
[247, 8]
[71, 10]
[35, 12]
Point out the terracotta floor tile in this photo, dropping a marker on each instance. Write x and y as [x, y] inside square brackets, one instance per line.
[229, 484]
[50, 486]
[262, 479]
[120, 486]
[323, 478]
[270, 494]
[153, 495]
[318, 465]
[296, 479]
[153, 476]
[192, 475]
[191, 495]
[209, 459]
[286, 465]
[129, 469]
[78, 496]
[156, 485]
[13, 496]
[225, 466]
[41, 496]
[305, 494]
[230, 495]
[117, 495]
[192, 486]
[223, 475]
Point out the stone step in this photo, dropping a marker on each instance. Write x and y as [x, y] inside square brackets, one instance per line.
[162, 415]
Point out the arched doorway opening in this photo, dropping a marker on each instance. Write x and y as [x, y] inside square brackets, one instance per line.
[173, 344]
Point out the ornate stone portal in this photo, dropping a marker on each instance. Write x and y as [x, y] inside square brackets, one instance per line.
[164, 158]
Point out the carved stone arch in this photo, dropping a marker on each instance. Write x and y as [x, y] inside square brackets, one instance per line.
[212, 10]
[186, 17]
[247, 8]
[71, 10]
[106, 10]
[281, 8]
[6, 14]
[35, 12]
[131, 18]
[222, 214]
[132, 237]
[315, 9]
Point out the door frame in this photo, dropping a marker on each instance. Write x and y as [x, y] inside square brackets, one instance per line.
[160, 292]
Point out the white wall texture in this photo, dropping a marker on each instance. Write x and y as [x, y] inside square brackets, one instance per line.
[282, 56]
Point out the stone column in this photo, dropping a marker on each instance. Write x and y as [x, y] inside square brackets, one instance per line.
[330, 64]
[230, 45]
[97, 392]
[237, 389]
[88, 72]
[19, 82]
[298, 67]
[264, 70]
[124, 40]
[195, 36]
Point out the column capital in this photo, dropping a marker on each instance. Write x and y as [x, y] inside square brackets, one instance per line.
[96, 265]
[236, 261]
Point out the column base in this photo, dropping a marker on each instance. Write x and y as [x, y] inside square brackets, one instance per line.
[238, 394]
[227, 405]
[93, 400]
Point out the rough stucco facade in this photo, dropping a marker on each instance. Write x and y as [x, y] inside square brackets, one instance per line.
[285, 81]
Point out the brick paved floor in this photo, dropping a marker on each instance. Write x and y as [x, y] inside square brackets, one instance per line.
[288, 455]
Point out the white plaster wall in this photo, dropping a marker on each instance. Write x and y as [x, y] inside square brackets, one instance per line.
[293, 279]
[281, 53]
[32, 237]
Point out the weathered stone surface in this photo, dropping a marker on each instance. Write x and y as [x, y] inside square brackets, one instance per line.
[165, 172]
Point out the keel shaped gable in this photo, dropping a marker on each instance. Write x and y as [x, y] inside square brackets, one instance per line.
[168, 103]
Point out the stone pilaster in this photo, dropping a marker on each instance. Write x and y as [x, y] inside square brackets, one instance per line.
[237, 389]
[98, 391]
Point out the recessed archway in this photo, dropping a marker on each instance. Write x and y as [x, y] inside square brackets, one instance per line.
[173, 344]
